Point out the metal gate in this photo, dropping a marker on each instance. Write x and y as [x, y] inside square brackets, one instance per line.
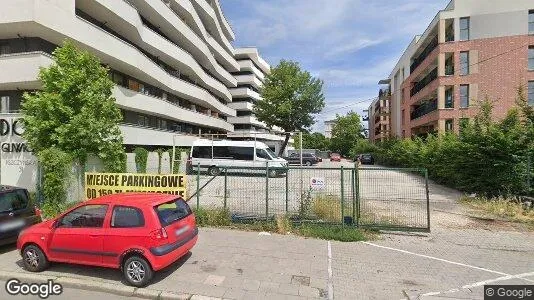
[381, 198]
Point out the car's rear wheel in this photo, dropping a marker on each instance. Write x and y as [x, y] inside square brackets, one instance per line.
[272, 173]
[214, 171]
[34, 259]
[137, 271]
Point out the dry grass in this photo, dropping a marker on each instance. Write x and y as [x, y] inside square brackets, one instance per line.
[283, 224]
[511, 210]
[327, 208]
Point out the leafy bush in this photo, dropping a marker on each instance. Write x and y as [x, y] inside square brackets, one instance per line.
[55, 166]
[141, 159]
[488, 157]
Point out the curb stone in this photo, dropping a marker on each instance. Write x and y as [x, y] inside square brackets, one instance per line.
[96, 286]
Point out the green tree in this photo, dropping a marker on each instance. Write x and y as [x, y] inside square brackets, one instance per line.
[347, 131]
[75, 111]
[315, 140]
[291, 97]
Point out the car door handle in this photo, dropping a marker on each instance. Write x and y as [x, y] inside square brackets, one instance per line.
[93, 235]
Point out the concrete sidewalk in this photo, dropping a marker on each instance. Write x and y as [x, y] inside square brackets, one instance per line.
[449, 262]
[224, 264]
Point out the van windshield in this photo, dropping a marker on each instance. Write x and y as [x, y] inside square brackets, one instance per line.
[271, 153]
[262, 153]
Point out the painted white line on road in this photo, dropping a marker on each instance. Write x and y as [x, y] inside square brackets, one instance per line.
[330, 279]
[438, 259]
[485, 282]
[481, 283]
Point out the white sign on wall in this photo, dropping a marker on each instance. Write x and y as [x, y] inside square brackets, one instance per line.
[317, 183]
[18, 166]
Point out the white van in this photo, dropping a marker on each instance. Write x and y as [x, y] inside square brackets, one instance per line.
[213, 156]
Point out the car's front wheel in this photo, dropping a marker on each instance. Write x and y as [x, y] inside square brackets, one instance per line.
[308, 163]
[34, 259]
[137, 271]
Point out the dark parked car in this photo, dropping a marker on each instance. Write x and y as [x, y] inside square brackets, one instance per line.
[308, 159]
[16, 213]
[366, 159]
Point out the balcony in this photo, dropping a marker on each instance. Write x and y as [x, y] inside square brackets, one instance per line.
[424, 109]
[418, 86]
[426, 52]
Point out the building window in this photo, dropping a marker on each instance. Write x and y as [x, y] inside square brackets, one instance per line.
[531, 22]
[531, 58]
[4, 104]
[143, 121]
[531, 93]
[449, 97]
[464, 29]
[403, 117]
[464, 95]
[449, 125]
[464, 63]
[162, 124]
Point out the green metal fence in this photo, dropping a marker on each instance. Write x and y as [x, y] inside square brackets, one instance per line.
[382, 198]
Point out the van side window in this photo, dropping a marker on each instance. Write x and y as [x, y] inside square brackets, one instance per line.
[202, 152]
[241, 153]
[221, 152]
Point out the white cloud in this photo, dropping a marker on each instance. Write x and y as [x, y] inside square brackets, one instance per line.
[352, 47]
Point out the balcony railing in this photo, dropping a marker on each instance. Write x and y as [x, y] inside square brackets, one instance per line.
[424, 109]
[424, 82]
[426, 52]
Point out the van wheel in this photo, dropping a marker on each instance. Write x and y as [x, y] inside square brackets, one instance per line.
[272, 173]
[137, 271]
[308, 163]
[34, 259]
[214, 171]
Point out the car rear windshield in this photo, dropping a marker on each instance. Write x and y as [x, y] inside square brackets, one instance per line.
[172, 211]
[13, 200]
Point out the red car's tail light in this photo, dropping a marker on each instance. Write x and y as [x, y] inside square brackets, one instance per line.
[159, 234]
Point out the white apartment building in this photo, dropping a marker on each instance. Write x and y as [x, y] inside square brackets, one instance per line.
[172, 61]
[250, 77]
[328, 127]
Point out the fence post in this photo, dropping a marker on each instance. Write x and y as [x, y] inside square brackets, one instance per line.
[287, 190]
[427, 201]
[198, 185]
[342, 198]
[352, 180]
[357, 188]
[266, 190]
[225, 185]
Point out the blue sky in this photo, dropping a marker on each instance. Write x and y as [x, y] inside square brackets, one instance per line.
[350, 44]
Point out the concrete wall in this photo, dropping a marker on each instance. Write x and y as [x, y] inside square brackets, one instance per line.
[499, 25]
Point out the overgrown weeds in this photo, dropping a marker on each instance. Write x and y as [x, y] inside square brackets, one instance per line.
[507, 209]
[282, 224]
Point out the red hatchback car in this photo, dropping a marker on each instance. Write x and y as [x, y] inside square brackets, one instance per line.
[138, 233]
[335, 157]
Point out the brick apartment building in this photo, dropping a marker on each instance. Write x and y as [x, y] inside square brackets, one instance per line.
[471, 50]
